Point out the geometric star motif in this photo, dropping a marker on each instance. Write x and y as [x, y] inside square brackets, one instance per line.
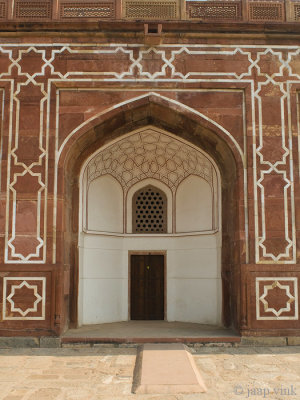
[275, 284]
[13, 292]
[150, 154]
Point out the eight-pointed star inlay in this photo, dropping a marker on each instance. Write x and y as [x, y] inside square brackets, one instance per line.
[268, 288]
[35, 303]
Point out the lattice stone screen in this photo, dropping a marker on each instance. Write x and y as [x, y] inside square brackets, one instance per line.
[33, 9]
[296, 12]
[265, 11]
[87, 10]
[214, 10]
[158, 10]
[2, 10]
[149, 211]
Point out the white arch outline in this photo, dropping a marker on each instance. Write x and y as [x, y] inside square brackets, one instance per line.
[177, 103]
[184, 107]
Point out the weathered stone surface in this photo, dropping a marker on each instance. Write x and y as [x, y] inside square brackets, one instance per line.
[17, 342]
[106, 374]
[76, 345]
[293, 341]
[263, 341]
[49, 342]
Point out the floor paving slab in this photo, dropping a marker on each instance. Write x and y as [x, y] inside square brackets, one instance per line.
[108, 374]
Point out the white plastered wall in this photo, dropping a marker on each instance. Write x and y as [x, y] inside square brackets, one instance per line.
[193, 252]
[105, 205]
[194, 205]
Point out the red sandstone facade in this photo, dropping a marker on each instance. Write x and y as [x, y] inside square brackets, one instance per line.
[70, 82]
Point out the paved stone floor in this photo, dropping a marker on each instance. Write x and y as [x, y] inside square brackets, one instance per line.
[106, 373]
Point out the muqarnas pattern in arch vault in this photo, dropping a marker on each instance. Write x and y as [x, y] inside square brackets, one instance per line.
[150, 154]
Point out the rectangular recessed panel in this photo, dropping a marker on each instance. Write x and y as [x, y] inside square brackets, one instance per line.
[213, 10]
[87, 10]
[33, 9]
[151, 10]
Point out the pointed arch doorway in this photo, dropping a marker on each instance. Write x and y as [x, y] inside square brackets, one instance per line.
[172, 117]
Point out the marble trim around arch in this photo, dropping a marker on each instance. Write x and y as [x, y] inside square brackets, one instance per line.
[262, 254]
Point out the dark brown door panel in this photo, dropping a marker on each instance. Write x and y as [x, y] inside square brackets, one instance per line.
[147, 287]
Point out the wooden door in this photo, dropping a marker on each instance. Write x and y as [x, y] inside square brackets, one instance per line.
[147, 287]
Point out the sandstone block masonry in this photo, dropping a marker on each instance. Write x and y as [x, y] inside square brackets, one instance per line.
[67, 89]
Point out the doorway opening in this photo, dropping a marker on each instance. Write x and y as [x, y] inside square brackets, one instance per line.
[147, 287]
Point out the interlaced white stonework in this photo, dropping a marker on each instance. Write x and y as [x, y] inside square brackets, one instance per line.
[150, 154]
[136, 64]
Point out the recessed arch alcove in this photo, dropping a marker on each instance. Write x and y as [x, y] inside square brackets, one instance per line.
[160, 113]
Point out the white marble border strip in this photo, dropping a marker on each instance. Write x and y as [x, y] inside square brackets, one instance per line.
[287, 257]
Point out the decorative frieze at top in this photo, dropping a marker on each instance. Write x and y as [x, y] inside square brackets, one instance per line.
[266, 11]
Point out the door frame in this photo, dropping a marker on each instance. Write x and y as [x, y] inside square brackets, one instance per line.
[150, 253]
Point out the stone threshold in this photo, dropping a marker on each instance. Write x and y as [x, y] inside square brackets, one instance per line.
[141, 340]
[65, 342]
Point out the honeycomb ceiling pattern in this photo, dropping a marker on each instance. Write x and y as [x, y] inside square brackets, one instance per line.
[150, 154]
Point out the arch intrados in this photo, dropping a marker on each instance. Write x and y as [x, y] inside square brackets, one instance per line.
[175, 120]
